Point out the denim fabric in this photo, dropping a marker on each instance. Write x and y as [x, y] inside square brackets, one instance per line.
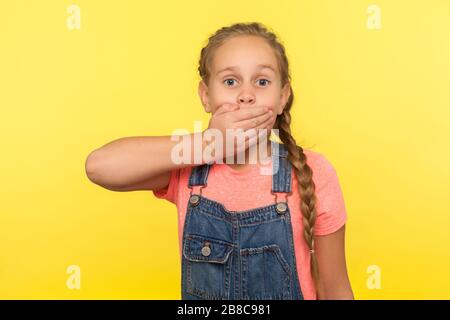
[231, 255]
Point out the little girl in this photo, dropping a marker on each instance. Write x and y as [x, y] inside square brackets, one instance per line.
[243, 234]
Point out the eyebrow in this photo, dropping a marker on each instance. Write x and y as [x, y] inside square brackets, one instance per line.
[260, 66]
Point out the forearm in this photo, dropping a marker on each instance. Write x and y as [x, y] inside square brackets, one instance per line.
[344, 292]
[132, 159]
[338, 296]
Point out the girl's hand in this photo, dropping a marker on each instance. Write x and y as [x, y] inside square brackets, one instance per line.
[245, 126]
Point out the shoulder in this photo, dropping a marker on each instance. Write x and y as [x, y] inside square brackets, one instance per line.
[324, 172]
[317, 161]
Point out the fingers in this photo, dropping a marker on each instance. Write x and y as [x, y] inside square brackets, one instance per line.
[267, 124]
[227, 107]
[248, 113]
[257, 122]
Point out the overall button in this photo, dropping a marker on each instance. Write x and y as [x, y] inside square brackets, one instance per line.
[194, 200]
[206, 250]
[281, 207]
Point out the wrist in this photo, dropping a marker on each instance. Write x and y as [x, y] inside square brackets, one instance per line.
[208, 147]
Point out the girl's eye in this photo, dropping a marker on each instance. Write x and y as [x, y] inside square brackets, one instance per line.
[228, 80]
[267, 81]
[264, 80]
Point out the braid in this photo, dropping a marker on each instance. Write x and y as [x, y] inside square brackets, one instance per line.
[306, 187]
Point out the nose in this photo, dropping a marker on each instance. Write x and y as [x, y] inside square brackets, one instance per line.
[246, 98]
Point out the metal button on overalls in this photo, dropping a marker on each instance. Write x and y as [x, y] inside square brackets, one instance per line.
[194, 200]
[281, 207]
[206, 250]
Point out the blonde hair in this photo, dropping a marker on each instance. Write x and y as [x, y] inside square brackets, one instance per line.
[296, 156]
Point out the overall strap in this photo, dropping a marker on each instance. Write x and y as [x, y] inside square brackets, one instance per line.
[199, 175]
[281, 179]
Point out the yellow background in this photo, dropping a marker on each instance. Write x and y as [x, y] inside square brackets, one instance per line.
[375, 102]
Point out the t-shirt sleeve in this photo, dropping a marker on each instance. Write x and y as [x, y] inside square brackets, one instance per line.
[170, 193]
[330, 206]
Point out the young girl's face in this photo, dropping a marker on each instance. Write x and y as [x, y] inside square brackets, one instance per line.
[244, 71]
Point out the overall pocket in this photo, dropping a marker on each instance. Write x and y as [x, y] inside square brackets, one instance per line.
[207, 266]
[265, 273]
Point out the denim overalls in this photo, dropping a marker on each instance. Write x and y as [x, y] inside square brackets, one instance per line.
[231, 255]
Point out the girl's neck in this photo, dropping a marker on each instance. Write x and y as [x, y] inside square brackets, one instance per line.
[260, 159]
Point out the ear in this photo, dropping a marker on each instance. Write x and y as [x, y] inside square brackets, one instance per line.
[285, 94]
[203, 93]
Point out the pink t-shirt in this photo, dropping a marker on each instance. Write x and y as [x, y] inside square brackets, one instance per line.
[246, 189]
